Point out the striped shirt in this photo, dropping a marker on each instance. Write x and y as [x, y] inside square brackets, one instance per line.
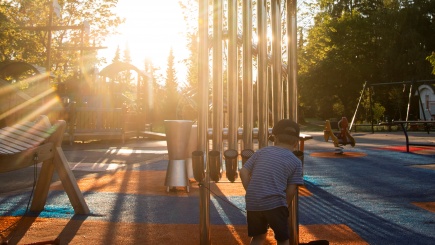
[272, 168]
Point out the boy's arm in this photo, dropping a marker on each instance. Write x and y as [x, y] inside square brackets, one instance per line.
[290, 193]
[245, 175]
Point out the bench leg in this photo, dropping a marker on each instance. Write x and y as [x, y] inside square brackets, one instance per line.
[66, 176]
[69, 183]
[42, 186]
[60, 163]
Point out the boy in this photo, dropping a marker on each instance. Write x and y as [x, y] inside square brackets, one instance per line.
[270, 177]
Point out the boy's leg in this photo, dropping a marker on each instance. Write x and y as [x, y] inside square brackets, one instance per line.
[259, 240]
[278, 220]
[286, 242]
[257, 226]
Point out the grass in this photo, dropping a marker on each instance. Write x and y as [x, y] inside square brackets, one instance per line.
[313, 125]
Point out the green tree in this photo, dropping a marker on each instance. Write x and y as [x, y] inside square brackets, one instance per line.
[171, 87]
[155, 92]
[127, 76]
[24, 37]
[431, 59]
[356, 41]
[117, 56]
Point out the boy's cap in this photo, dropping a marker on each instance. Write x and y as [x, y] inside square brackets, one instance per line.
[286, 126]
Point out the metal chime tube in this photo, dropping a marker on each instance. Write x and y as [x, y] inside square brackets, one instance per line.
[262, 93]
[293, 97]
[276, 61]
[204, 202]
[217, 76]
[248, 100]
[292, 59]
[203, 74]
[232, 75]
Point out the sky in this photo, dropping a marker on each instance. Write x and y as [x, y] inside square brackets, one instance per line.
[151, 29]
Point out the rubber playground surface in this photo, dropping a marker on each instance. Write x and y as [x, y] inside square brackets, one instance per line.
[374, 193]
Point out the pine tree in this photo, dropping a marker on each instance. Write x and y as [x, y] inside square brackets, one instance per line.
[127, 75]
[171, 88]
[117, 55]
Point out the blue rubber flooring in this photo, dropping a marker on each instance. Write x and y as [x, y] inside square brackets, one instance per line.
[372, 195]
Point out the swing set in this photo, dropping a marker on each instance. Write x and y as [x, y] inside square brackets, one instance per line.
[425, 119]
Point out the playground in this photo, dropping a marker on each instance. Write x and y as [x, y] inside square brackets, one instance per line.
[373, 193]
[94, 171]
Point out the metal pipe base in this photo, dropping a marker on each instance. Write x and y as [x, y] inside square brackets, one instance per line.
[176, 175]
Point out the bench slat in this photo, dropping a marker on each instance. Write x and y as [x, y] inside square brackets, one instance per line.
[23, 136]
[4, 151]
[24, 133]
[6, 139]
[35, 130]
[13, 148]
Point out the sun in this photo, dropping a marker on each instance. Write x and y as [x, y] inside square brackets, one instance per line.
[151, 29]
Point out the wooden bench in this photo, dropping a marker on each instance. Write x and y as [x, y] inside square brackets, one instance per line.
[28, 143]
[96, 124]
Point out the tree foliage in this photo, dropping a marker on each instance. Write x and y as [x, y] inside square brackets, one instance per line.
[18, 41]
[171, 87]
[431, 59]
[365, 40]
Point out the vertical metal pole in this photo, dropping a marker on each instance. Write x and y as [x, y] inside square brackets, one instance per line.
[217, 76]
[292, 86]
[248, 100]
[371, 109]
[276, 61]
[292, 58]
[409, 102]
[233, 107]
[263, 126]
[202, 118]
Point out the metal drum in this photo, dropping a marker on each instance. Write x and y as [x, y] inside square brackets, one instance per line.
[191, 147]
[177, 138]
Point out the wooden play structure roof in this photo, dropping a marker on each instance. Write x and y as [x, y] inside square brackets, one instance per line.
[113, 69]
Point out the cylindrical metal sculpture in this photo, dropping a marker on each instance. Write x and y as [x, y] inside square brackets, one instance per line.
[204, 201]
[231, 164]
[233, 108]
[246, 154]
[262, 89]
[217, 76]
[198, 166]
[292, 65]
[273, 77]
[192, 145]
[248, 96]
[214, 163]
[276, 61]
[177, 138]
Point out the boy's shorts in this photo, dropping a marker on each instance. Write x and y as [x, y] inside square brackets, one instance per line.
[276, 219]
